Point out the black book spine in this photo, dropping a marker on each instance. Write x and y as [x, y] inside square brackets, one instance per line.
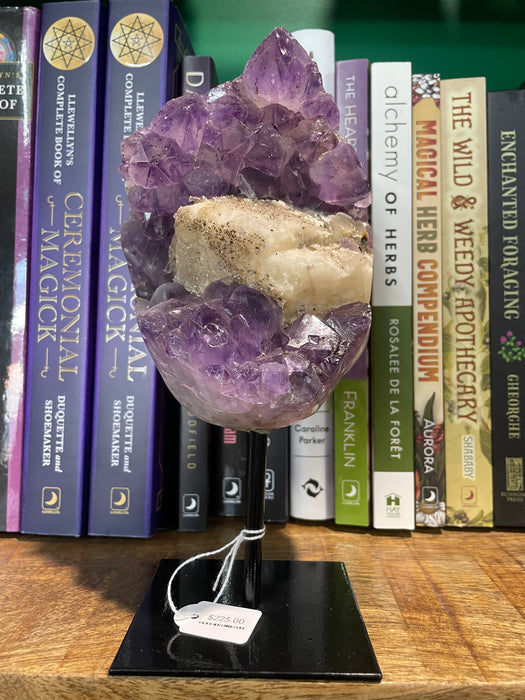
[506, 188]
[277, 489]
[198, 74]
[193, 473]
[229, 464]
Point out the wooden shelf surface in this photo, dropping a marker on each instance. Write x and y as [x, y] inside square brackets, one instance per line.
[444, 610]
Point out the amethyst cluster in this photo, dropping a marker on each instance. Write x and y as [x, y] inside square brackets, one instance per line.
[271, 133]
[228, 359]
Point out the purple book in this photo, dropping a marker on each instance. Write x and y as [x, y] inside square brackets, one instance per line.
[146, 45]
[351, 92]
[351, 396]
[19, 44]
[65, 232]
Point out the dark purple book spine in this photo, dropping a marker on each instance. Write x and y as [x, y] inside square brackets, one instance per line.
[65, 231]
[506, 200]
[198, 75]
[146, 42]
[19, 46]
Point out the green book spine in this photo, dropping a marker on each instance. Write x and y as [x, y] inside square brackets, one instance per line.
[351, 452]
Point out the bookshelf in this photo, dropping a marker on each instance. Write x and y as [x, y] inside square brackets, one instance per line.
[445, 610]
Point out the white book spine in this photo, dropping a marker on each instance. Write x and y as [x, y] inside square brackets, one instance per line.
[393, 490]
[312, 462]
[320, 44]
[312, 466]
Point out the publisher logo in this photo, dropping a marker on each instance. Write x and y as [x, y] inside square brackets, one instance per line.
[136, 40]
[350, 491]
[269, 480]
[232, 489]
[190, 505]
[119, 500]
[51, 499]
[514, 473]
[430, 496]
[312, 488]
[68, 43]
[469, 495]
[393, 505]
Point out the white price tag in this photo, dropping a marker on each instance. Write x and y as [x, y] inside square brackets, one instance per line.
[226, 623]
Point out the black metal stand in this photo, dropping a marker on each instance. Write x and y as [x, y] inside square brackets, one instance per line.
[310, 628]
[258, 450]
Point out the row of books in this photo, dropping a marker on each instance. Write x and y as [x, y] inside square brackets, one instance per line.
[106, 450]
[91, 440]
[427, 426]
[447, 372]
[408, 437]
[84, 449]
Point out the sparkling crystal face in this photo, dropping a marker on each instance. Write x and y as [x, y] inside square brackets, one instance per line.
[229, 348]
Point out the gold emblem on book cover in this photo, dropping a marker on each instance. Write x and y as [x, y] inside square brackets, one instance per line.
[136, 40]
[68, 43]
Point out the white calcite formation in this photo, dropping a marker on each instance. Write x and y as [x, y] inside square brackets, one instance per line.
[306, 261]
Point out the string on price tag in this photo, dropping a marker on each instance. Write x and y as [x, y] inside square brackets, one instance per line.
[213, 620]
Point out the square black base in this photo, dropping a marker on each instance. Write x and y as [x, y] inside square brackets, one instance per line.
[310, 628]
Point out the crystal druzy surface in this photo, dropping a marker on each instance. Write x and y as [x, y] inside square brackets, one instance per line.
[233, 353]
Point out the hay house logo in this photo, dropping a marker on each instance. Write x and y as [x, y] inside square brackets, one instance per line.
[393, 505]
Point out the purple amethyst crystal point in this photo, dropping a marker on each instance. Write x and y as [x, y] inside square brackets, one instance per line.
[336, 186]
[281, 72]
[272, 133]
[251, 327]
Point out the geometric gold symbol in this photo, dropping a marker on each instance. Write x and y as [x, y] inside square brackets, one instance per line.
[119, 500]
[68, 43]
[136, 40]
[51, 499]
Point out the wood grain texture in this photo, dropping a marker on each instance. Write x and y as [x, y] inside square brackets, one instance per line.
[444, 610]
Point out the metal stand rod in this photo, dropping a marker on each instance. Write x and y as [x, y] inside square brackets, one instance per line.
[258, 448]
